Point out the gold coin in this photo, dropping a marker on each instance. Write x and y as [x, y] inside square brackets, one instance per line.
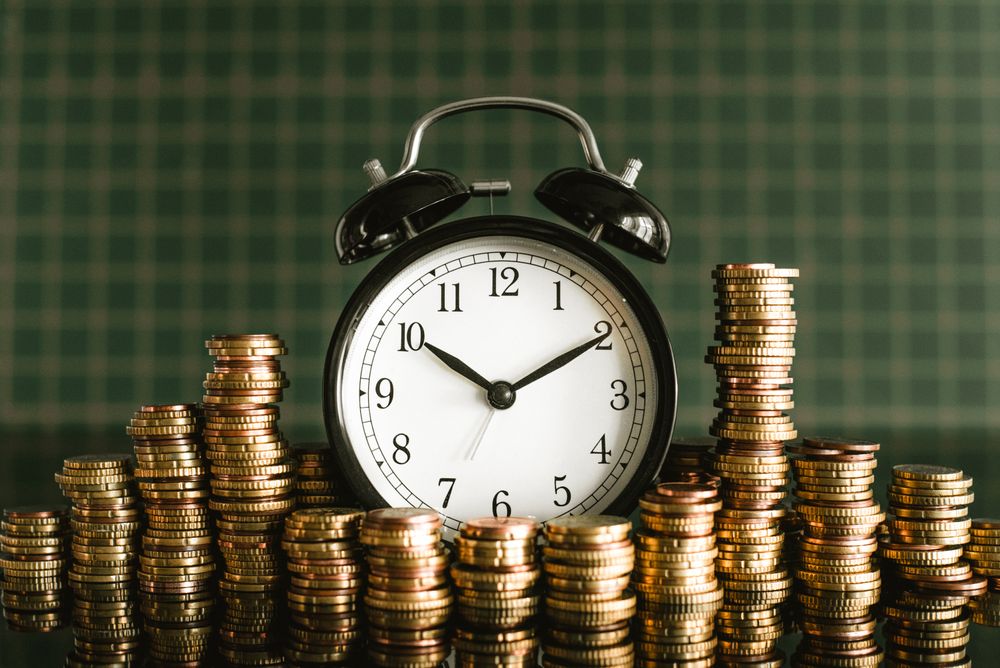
[926, 472]
[561, 528]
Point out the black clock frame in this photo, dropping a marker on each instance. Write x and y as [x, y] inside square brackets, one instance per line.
[508, 226]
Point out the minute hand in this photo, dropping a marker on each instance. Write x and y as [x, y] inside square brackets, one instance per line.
[558, 362]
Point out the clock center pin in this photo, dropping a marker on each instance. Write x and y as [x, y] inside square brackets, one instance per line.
[501, 395]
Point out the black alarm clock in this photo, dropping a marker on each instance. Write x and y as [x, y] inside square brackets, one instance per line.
[500, 365]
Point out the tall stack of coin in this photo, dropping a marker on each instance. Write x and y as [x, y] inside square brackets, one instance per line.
[252, 480]
[106, 523]
[930, 583]
[327, 575]
[675, 575]
[496, 578]
[983, 553]
[753, 361]
[318, 483]
[34, 559]
[408, 602]
[588, 603]
[177, 562]
[686, 460]
[837, 581]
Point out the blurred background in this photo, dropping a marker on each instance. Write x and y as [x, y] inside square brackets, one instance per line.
[171, 170]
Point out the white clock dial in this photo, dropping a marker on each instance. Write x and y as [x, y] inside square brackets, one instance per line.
[424, 434]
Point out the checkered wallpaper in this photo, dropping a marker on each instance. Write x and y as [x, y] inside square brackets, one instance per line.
[169, 170]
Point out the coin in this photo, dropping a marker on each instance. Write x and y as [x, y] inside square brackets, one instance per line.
[317, 588]
[668, 581]
[104, 547]
[752, 360]
[36, 544]
[587, 561]
[405, 600]
[495, 595]
[319, 482]
[251, 481]
[928, 585]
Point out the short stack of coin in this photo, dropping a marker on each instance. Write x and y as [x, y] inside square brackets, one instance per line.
[408, 601]
[929, 584]
[588, 602]
[106, 523]
[686, 460]
[837, 581]
[177, 562]
[930, 522]
[924, 628]
[318, 484]
[34, 559]
[325, 563]
[252, 628]
[246, 370]
[496, 581]
[753, 361]
[985, 609]
[252, 480]
[983, 553]
[674, 576]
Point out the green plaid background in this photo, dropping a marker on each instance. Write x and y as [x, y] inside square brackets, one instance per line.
[169, 170]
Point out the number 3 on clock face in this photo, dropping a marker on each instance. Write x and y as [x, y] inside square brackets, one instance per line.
[518, 372]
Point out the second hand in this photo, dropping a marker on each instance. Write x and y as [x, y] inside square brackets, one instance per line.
[481, 434]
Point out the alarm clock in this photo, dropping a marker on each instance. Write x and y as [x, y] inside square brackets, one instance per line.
[500, 365]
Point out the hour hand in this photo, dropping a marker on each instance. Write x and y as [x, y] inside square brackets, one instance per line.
[459, 366]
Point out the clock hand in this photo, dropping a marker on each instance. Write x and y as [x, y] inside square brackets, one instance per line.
[560, 361]
[459, 366]
[482, 433]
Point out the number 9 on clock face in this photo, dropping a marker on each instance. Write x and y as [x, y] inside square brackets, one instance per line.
[506, 368]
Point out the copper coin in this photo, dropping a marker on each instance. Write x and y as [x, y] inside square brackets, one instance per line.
[686, 490]
[501, 528]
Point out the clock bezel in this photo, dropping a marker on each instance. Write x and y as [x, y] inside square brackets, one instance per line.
[532, 229]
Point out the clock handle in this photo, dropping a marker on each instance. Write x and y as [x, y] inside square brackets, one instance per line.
[590, 151]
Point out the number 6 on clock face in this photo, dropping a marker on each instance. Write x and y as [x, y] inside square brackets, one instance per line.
[500, 368]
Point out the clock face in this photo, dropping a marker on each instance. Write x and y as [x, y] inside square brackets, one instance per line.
[498, 375]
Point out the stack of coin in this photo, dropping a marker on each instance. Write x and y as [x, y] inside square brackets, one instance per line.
[252, 627]
[686, 460]
[106, 523]
[252, 480]
[408, 601]
[318, 483]
[930, 522]
[35, 541]
[838, 583]
[985, 609]
[588, 602]
[674, 576]
[923, 628]
[325, 563]
[496, 580]
[246, 369]
[983, 553]
[177, 562]
[753, 361]
[929, 584]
